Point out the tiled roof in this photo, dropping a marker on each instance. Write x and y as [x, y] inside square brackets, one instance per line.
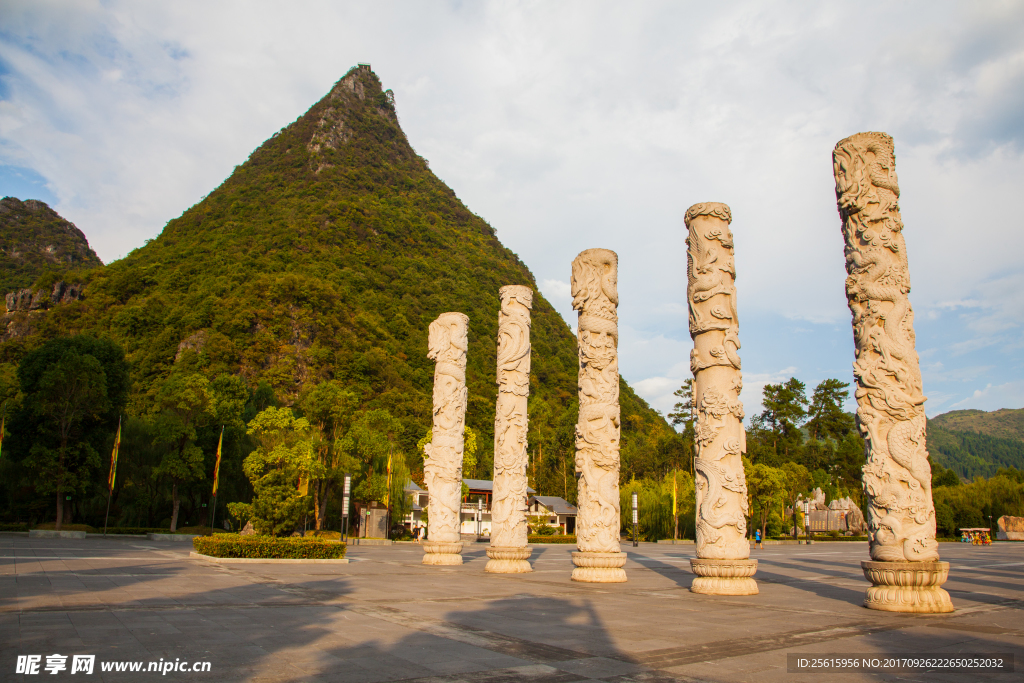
[560, 506]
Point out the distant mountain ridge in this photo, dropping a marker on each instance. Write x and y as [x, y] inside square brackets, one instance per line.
[34, 239]
[1006, 423]
[977, 443]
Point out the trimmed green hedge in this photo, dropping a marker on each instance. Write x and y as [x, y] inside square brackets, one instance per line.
[551, 539]
[51, 526]
[13, 527]
[268, 547]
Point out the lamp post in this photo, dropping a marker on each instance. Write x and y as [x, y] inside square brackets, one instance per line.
[479, 516]
[635, 542]
[807, 521]
[344, 507]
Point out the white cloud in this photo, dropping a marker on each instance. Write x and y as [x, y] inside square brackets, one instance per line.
[994, 397]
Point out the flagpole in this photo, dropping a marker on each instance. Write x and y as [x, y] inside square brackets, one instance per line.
[113, 469]
[216, 479]
[107, 518]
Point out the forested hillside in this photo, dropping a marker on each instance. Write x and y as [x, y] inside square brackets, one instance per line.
[322, 259]
[975, 443]
[34, 239]
[1006, 423]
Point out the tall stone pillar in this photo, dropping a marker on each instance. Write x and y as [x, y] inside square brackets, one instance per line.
[595, 295]
[442, 467]
[509, 549]
[722, 565]
[905, 571]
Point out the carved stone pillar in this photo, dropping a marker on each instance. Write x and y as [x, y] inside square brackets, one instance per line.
[509, 549]
[442, 467]
[595, 295]
[905, 570]
[722, 566]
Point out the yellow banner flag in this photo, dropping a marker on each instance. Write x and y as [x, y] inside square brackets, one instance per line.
[387, 495]
[113, 456]
[675, 489]
[216, 467]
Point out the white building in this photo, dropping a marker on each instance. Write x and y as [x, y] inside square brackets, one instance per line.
[557, 511]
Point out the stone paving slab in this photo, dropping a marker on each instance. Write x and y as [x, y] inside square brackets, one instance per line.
[386, 617]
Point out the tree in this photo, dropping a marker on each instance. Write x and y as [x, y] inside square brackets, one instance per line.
[74, 389]
[798, 482]
[767, 488]
[328, 407]
[373, 439]
[827, 419]
[183, 404]
[71, 391]
[682, 412]
[784, 412]
[275, 469]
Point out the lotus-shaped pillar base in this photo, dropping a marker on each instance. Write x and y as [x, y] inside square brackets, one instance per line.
[599, 567]
[508, 560]
[442, 552]
[907, 587]
[724, 577]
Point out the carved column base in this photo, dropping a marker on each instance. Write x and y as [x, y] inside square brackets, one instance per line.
[599, 567]
[724, 577]
[442, 552]
[508, 560]
[907, 587]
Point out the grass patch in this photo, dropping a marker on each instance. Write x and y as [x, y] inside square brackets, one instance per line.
[269, 547]
[551, 539]
[13, 527]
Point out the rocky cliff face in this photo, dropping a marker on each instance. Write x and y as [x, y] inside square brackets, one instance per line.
[33, 239]
[33, 300]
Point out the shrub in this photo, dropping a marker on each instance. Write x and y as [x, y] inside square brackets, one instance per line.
[268, 547]
[324, 534]
[551, 539]
[13, 527]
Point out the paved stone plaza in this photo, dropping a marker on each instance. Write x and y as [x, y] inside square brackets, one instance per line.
[386, 617]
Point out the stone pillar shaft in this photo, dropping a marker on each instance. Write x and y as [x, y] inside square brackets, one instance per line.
[442, 467]
[890, 401]
[722, 566]
[595, 296]
[509, 548]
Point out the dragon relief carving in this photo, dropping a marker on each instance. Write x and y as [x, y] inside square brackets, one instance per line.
[890, 413]
[715, 363]
[595, 296]
[508, 508]
[442, 467]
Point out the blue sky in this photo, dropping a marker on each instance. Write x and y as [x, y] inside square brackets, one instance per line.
[574, 125]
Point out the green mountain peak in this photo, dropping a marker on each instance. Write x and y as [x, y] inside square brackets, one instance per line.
[326, 255]
[35, 239]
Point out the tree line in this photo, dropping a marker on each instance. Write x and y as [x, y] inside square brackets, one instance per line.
[282, 466]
